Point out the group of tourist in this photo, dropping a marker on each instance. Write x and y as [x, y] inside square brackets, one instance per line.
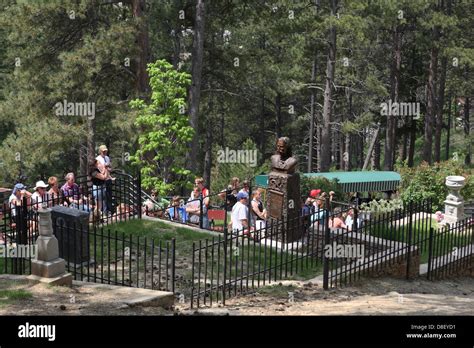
[314, 207]
[70, 194]
[244, 217]
[236, 196]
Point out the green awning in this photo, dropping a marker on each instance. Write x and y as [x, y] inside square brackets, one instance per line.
[353, 181]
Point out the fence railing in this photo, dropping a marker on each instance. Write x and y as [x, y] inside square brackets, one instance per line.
[244, 260]
[112, 202]
[97, 254]
[377, 243]
[451, 250]
[237, 262]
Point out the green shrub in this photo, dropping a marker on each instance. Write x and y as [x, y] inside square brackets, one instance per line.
[428, 182]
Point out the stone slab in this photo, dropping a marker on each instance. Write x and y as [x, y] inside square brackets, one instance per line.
[48, 269]
[134, 297]
[62, 280]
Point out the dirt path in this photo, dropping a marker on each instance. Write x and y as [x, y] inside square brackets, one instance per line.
[373, 297]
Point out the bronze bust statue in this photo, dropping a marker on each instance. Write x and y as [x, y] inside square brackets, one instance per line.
[283, 160]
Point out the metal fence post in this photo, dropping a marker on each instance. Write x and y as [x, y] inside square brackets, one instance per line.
[139, 193]
[200, 211]
[173, 264]
[326, 242]
[225, 215]
[24, 222]
[249, 222]
[430, 253]
[410, 232]
[355, 223]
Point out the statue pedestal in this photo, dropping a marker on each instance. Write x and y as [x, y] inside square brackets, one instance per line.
[453, 211]
[454, 203]
[283, 206]
[48, 267]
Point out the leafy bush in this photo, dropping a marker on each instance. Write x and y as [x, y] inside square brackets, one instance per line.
[428, 182]
[164, 129]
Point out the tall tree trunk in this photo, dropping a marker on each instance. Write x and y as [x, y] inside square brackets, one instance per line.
[347, 151]
[431, 100]
[83, 159]
[411, 148]
[138, 6]
[372, 147]
[441, 94]
[347, 141]
[467, 126]
[440, 108]
[318, 147]
[448, 130]
[222, 127]
[360, 158]
[328, 91]
[209, 139]
[195, 89]
[311, 119]
[278, 115]
[376, 157]
[340, 150]
[262, 137]
[90, 124]
[404, 146]
[208, 156]
[395, 83]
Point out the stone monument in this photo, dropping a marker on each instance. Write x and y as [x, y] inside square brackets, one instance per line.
[48, 267]
[283, 195]
[454, 203]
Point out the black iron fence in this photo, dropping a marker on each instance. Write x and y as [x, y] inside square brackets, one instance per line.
[386, 242]
[114, 201]
[451, 250]
[100, 255]
[244, 260]
[338, 243]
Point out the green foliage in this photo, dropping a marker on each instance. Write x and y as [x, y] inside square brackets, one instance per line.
[307, 184]
[47, 57]
[428, 182]
[164, 129]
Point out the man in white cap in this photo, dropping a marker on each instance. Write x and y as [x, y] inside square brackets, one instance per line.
[104, 159]
[40, 191]
[105, 167]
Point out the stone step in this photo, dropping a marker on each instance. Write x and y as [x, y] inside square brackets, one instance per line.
[133, 296]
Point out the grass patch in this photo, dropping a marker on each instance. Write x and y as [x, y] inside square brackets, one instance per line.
[10, 296]
[442, 244]
[308, 272]
[161, 231]
[278, 291]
